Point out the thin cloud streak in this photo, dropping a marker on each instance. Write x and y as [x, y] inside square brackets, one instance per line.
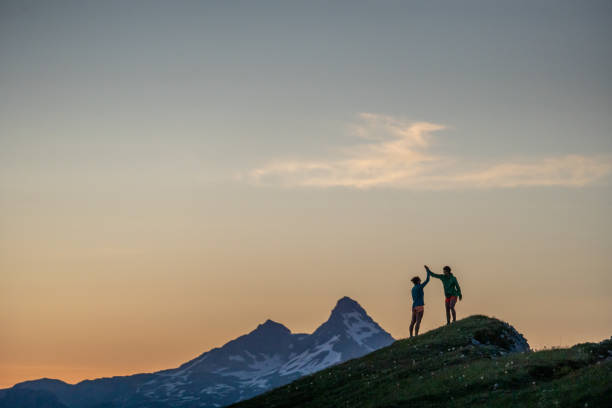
[398, 154]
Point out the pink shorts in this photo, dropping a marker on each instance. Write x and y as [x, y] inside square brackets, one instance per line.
[451, 301]
[417, 309]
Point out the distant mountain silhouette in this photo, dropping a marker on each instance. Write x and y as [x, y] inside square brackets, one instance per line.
[267, 357]
[28, 398]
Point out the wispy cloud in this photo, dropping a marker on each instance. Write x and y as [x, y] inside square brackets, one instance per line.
[399, 154]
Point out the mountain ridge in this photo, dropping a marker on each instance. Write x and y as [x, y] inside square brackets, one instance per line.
[266, 357]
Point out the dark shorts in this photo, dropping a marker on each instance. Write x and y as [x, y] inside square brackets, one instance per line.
[418, 309]
[451, 301]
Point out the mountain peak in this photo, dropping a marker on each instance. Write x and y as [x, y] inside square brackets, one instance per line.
[347, 305]
[270, 326]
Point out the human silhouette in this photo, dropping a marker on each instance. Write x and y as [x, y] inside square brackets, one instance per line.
[418, 303]
[451, 291]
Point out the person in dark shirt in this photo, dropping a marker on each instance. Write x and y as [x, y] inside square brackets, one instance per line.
[418, 303]
[452, 291]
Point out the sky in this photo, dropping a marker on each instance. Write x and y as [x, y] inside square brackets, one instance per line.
[172, 174]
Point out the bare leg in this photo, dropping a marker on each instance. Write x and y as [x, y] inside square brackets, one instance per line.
[413, 322]
[451, 306]
[447, 313]
[418, 322]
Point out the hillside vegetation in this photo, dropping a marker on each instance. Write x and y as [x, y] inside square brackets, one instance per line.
[475, 362]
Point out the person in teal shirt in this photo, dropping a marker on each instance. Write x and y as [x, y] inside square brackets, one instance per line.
[418, 303]
[452, 291]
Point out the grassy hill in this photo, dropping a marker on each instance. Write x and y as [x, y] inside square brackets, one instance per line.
[467, 364]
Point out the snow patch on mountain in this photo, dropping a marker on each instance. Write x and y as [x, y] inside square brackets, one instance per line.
[359, 329]
[312, 360]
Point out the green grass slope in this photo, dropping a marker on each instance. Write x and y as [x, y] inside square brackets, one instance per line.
[467, 364]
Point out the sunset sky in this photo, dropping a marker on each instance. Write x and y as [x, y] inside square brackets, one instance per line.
[174, 173]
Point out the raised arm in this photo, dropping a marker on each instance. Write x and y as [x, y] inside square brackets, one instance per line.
[426, 280]
[429, 272]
